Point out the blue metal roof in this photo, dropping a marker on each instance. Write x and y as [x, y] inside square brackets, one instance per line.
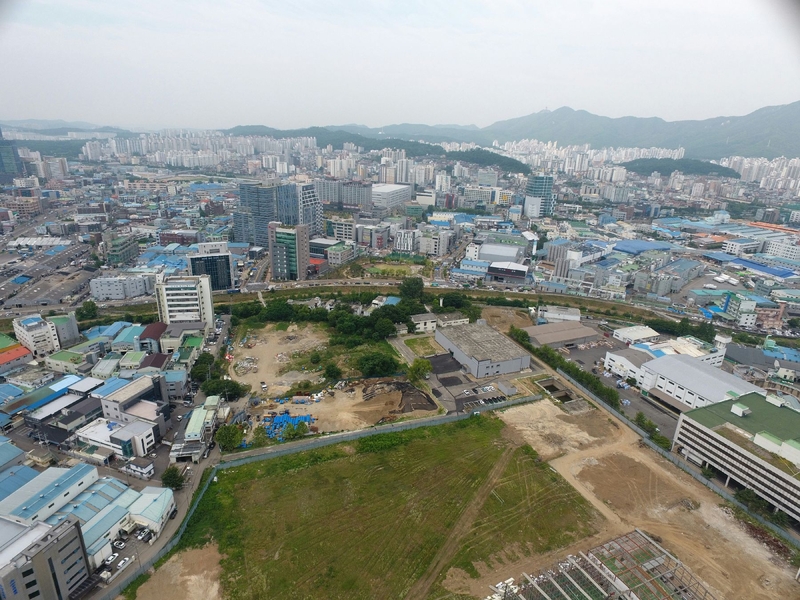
[14, 478]
[754, 266]
[392, 301]
[8, 391]
[639, 246]
[109, 387]
[113, 330]
[32, 506]
[9, 452]
[720, 256]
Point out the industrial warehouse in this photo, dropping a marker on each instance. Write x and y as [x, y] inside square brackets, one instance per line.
[482, 351]
[564, 334]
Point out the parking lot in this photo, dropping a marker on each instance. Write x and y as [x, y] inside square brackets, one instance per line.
[589, 357]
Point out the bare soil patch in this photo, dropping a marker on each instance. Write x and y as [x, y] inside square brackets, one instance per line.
[187, 575]
[633, 487]
[502, 318]
[551, 432]
[361, 405]
[271, 349]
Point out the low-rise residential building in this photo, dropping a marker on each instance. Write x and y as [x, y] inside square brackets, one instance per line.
[424, 323]
[451, 319]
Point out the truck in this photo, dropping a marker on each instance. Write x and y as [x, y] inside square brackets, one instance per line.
[710, 286]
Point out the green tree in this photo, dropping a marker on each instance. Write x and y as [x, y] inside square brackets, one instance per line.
[794, 323]
[384, 328]
[419, 369]
[332, 372]
[223, 387]
[315, 357]
[377, 364]
[88, 310]
[412, 288]
[229, 437]
[260, 438]
[293, 432]
[172, 478]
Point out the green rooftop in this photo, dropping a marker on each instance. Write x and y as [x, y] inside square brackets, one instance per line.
[6, 341]
[67, 356]
[783, 423]
[59, 319]
[193, 342]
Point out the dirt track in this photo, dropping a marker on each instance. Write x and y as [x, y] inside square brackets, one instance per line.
[631, 486]
[420, 589]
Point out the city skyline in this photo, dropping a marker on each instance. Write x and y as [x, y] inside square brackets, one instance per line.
[153, 66]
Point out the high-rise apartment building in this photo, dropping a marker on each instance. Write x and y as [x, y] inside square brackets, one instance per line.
[539, 197]
[357, 194]
[185, 300]
[42, 561]
[10, 163]
[289, 251]
[259, 205]
[214, 259]
[309, 208]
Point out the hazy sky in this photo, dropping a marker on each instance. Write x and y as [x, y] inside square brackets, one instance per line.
[212, 63]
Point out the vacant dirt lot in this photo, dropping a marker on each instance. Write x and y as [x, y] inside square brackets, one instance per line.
[347, 409]
[186, 576]
[503, 318]
[270, 349]
[634, 487]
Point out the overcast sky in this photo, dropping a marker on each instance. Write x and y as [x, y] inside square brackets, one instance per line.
[212, 63]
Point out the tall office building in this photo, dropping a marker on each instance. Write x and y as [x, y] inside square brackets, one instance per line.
[259, 205]
[289, 251]
[214, 259]
[309, 208]
[539, 196]
[185, 300]
[10, 163]
[42, 561]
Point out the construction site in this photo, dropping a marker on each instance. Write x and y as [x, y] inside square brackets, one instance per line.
[352, 405]
[632, 566]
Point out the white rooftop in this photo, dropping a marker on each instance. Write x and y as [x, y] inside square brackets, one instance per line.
[704, 380]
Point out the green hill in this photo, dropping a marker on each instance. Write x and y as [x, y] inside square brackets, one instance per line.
[687, 166]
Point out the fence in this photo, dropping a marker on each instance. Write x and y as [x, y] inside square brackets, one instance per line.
[250, 456]
[686, 467]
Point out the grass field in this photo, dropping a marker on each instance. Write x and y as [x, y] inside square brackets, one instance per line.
[422, 346]
[369, 520]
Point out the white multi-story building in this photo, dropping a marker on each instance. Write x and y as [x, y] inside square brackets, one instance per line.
[121, 287]
[690, 382]
[783, 249]
[390, 196]
[37, 335]
[426, 198]
[406, 240]
[435, 243]
[344, 231]
[741, 246]
[185, 300]
[794, 216]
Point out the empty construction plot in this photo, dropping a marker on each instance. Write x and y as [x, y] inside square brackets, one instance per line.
[631, 566]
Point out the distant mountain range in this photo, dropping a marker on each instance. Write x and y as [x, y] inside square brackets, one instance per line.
[771, 132]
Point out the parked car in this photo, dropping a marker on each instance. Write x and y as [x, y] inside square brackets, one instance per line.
[112, 558]
[119, 545]
[124, 562]
[142, 534]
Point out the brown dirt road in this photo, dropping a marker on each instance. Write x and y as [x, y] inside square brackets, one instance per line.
[420, 589]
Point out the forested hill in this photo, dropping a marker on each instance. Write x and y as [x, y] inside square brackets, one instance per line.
[687, 166]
